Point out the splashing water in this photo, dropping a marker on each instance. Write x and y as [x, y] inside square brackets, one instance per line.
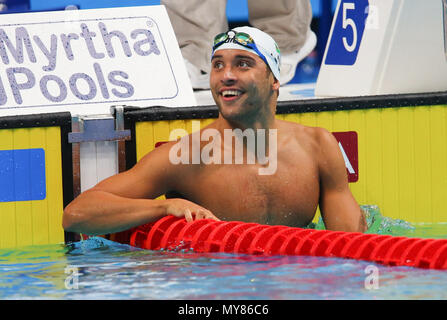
[377, 223]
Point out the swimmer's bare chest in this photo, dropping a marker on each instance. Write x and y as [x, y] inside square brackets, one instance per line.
[238, 192]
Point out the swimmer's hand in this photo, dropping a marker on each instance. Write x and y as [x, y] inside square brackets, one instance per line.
[183, 208]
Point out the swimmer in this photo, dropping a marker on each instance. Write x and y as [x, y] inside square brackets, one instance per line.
[309, 167]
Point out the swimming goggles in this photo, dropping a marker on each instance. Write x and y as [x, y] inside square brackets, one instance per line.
[241, 38]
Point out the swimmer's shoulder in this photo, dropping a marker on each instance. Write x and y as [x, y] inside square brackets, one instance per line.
[313, 137]
[158, 165]
[156, 161]
[303, 131]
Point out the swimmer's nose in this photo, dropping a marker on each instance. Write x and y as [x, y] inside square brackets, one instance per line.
[229, 76]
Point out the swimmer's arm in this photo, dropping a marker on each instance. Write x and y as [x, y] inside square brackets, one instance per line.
[101, 211]
[339, 210]
[127, 200]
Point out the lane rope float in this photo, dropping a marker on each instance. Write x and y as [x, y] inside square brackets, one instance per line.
[201, 236]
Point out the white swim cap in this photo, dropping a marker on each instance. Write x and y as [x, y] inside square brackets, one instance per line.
[260, 44]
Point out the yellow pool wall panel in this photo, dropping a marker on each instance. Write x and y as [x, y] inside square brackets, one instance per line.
[402, 155]
[34, 222]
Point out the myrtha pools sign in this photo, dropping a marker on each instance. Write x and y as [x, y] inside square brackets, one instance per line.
[91, 57]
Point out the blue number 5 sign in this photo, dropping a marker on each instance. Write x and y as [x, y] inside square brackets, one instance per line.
[348, 32]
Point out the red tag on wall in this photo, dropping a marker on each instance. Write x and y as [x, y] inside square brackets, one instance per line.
[159, 143]
[348, 143]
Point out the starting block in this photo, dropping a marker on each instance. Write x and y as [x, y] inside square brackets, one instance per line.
[385, 47]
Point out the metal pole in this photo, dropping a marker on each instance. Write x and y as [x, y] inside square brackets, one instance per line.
[444, 3]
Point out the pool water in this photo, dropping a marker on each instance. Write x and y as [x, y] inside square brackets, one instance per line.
[101, 269]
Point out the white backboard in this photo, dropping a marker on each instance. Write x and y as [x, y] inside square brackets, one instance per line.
[85, 61]
[384, 47]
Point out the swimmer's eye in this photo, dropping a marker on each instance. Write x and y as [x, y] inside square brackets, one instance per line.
[240, 63]
[244, 64]
[217, 65]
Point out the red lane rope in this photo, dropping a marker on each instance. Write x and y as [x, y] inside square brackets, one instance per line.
[205, 235]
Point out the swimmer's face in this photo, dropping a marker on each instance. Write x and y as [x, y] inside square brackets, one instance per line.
[242, 84]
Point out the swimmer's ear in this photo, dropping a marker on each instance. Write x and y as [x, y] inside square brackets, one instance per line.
[275, 85]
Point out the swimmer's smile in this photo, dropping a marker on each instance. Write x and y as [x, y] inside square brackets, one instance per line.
[230, 94]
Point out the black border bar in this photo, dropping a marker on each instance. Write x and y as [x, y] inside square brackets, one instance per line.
[61, 119]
